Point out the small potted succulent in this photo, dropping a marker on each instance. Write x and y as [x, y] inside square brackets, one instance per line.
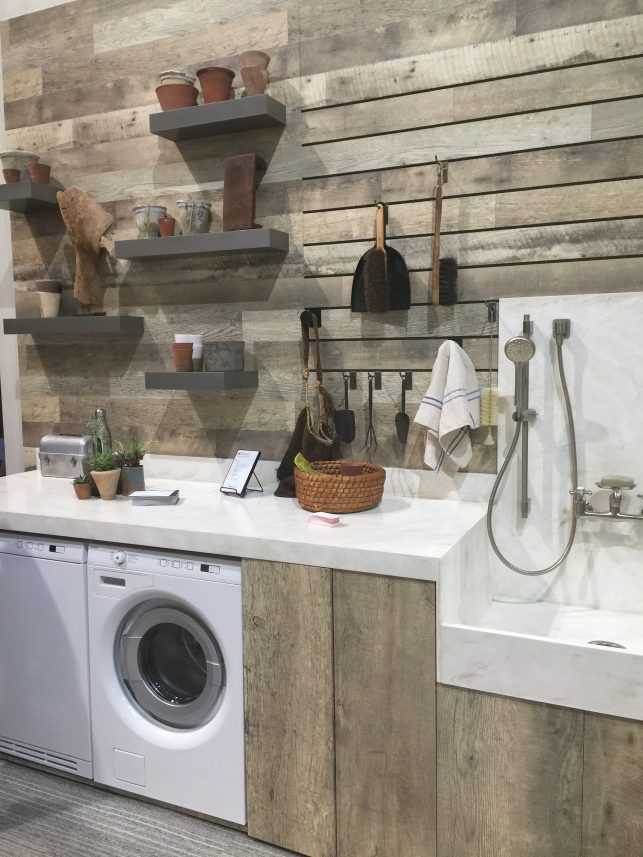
[83, 486]
[132, 474]
[105, 472]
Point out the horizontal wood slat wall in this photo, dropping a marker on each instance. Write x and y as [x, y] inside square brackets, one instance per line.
[538, 106]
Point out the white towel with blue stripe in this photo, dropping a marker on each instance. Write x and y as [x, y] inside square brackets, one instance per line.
[450, 409]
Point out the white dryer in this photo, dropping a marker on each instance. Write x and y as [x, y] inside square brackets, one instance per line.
[44, 662]
[166, 671]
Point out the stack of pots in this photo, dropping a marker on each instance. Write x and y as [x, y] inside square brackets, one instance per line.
[148, 220]
[254, 71]
[176, 89]
[16, 163]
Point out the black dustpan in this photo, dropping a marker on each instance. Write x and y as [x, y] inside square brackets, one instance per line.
[381, 279]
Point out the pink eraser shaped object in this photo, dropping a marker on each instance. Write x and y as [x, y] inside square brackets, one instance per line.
[323, 519]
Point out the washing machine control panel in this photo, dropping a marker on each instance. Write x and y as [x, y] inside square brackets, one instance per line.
[203, 567]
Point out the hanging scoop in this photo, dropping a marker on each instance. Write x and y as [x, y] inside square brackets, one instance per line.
[402, 421]
[345, 418]
[381, 281]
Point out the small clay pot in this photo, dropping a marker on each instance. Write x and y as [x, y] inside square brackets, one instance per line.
[11, 176]
[254, 59]
[49, 304]
[216, 83]
[166, 226]
[171, 96]
[255, 80]
[39, 172]
[182, 354]
[83, 490]
[107, 482]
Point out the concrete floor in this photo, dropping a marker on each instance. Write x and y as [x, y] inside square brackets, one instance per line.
[42, 815]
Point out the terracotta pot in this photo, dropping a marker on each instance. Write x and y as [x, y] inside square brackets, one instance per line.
[107, 482]
[83, 490]
[174, 95]
[166, 226]
[255, 80]
[216, 83]
[132, 479]
[11, 176]
[39, 172]
[254, 59]
[182, 354]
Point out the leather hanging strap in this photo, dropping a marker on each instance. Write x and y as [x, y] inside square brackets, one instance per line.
[309, 319]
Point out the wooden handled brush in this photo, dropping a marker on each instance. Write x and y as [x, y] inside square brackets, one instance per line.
[444, 272]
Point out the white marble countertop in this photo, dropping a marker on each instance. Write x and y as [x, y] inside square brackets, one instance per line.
[403, 537]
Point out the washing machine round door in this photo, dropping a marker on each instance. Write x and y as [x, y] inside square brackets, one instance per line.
[171, 665]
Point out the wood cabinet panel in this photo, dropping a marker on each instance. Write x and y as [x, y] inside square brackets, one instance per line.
[509, 777]
[385, 715]
[612, 787]
[289, 706]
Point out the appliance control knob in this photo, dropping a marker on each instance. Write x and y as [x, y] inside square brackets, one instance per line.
[119, 558]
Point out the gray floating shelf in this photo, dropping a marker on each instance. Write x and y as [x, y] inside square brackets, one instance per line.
[202, 382]
[27, 196]
[239, 241]
[77, 325]
[221, 117]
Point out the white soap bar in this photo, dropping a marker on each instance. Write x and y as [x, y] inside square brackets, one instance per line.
[323, 519]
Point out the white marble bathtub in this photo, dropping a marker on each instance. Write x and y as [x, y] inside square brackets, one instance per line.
[544, 652]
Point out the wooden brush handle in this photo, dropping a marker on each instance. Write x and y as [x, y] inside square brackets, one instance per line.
[435, 254]
[380, 227]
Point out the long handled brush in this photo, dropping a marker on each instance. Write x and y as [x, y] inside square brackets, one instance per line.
[444, 272]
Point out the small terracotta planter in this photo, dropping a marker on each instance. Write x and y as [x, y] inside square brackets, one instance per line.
[182, 354]
[83, 490]
[166, 226]
[255, 80]
[107, 482]
[257, 59]
[174, 95]
[216, 83]
[11, 176]
[39, 172]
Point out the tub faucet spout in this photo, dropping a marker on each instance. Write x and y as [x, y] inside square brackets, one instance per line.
[616, 485]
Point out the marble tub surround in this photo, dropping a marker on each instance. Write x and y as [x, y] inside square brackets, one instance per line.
[531, 637]
[402, 537]
[605, 374]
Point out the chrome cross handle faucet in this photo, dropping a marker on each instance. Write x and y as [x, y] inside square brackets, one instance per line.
[615, 485]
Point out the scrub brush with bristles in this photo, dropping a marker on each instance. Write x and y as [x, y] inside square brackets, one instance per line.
[488, 406]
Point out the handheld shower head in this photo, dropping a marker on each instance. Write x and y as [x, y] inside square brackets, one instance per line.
[519, 349]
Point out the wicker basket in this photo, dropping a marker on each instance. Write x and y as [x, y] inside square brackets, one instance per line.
[328, 490]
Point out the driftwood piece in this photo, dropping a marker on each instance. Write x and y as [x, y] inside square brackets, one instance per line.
[86, 222]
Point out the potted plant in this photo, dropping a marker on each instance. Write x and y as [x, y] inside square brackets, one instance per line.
[105, 473]
[132, 474]
[83, 486]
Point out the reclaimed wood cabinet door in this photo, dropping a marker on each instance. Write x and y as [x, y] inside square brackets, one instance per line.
[385, 723]
[509, 777]
[288, 658]
[612, 787]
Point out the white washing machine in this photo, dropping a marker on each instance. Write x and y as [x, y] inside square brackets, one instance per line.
[166, 669]
[44, 659]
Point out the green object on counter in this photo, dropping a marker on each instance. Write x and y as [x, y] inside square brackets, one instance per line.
[302, 463]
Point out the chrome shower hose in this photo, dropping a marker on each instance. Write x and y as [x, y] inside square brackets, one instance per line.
[573, 466]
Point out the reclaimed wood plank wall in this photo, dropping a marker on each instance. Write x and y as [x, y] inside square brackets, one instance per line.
[537, 104]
